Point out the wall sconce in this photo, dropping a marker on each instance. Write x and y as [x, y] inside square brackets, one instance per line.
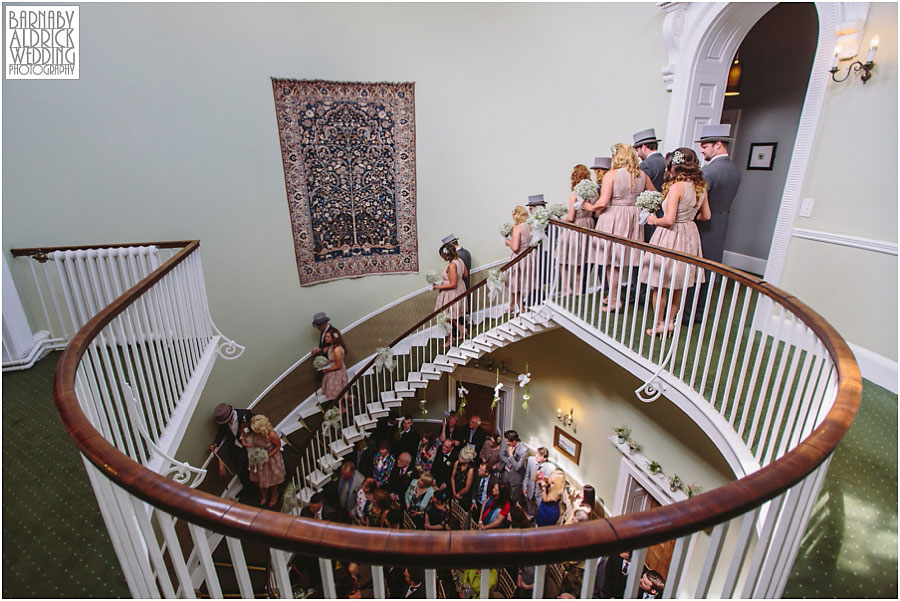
[566, 418]
[857, 66]
[733, 87]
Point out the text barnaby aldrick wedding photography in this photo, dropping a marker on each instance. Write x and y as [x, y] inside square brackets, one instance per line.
[42, 42]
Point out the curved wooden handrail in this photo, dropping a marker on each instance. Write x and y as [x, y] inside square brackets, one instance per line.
[462, 548]
[29, 252]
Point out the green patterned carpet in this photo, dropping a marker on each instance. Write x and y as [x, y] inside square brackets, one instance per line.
[55, 543]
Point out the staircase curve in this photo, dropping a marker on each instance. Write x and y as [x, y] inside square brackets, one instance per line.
[761, 368]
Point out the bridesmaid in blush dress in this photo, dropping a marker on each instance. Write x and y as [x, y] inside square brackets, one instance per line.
[451, 287]
[519, 275]
[570, 253]
[334, 376]
[685, 199]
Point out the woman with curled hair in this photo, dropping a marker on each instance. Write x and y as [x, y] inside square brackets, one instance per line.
[619, 216]
[268, 475]
[571, 254]
[551, 493]
[334, 375]
[451, 287]
[685, 198]
[519, 275]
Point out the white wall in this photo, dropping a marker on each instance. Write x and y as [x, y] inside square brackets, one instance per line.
[170, 134]
[852, 177]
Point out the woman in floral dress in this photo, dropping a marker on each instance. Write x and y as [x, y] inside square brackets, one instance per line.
[268, 475]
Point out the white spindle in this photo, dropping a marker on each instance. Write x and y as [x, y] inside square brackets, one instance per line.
[761, 404]
[327, 578]
[634, 572]
[716, 541]
[764, 450]
[760, 350]
[176, 557]
[677, 566]
[282, 578]
[589, 578]
[430, 584]
[540, 573]
[378, 583]
[149, 540]
[201, 546]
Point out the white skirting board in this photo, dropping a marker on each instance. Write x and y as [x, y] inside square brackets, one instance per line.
[877, 368]
[744, 262]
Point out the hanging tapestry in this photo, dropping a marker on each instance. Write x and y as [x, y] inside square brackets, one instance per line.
[349, 154]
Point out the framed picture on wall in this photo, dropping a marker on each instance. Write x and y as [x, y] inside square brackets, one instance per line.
[762, 155]
[566, 444]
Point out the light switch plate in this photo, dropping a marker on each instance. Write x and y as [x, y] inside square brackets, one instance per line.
[806, 207]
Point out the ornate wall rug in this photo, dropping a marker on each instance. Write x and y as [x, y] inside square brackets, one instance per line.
[349, 153]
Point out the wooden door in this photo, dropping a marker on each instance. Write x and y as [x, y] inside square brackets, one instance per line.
[478, 402]
[659, 556]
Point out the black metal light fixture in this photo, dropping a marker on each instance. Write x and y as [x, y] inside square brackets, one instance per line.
[856, 66]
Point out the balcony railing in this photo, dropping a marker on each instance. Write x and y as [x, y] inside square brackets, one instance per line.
[773, 379]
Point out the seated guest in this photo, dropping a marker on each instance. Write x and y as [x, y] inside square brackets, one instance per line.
[394, 518]
[415, 580]
[363, 500]
[428, 446]
[437, 515]
[407, 438]
[490, 452]
[462, 477]
[378, 509]
[442, 467]
[579, 506]
[474, 434]
[383, 464]
[341, 493]
[418, 496]
[651, 585]
[484, 484]
[518, 518]
[496, 508]
[471, 580]
[401, 476]
[317, 509]
[450, 430]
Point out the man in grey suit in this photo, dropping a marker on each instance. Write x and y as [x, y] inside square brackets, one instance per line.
[537, 468]
[513, 461]
[462, 253]
[722, 180]
[646, 144]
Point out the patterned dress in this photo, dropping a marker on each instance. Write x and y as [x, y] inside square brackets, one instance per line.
[425, 456]
[682, 236]
[270, 473]
[333, 382]
[382, 468]
[458, 309]
[621, 217]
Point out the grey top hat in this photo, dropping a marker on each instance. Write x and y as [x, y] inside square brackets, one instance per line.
[320, 318]
[602, 163]
[449, 238]
[645, 136]
[715, 133]
[536, 200]
[222, 413]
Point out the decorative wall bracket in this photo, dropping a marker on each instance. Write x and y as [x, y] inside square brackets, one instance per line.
[654, 387]
[228, 348]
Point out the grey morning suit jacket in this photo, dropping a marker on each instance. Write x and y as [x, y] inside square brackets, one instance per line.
[655, 168]
[467, 261]
[514, 469]
[722, 180]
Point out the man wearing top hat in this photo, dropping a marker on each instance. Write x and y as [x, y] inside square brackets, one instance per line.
[535, 201]
[462, 253]
[323, 323]
[722, 180]
[646, 144]
[231, 422]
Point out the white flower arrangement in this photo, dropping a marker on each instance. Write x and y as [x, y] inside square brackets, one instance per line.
[423, 408]
[443, 322]
[506, 230]
[333, 419]
[321, 362]
[461, 393]
[678, 157]
[649, 201]
[384, 358]
[586, 191]
[258, 457]
[497, 389]
[557, 210]
[290, 498]
[538, 223]
[496, 280]
[432, 278]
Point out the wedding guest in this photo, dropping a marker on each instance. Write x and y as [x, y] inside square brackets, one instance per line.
[572, 248]
[442, 467]
[462, 253]
[490, 452]
[535, 201]
[578, 506]
[334, 376]
[513, 460]
[651, 585]
[401, 476]
[482, 487]
[619, 216]
[322, 323]
[269, 474]
[474, 435]
[232, 423]
[600, 167]
[343, 491]
[418, 495]
[376, 515]
[346, 585]
[646, 144]
[551, 493]
[496, 508]
[415, 579]
[437, 514]
[685, 199]
[462, 477]
[318, 510]
[537, 469]
[452, 286]
[428, 446]
[363, 499]
[408, 438]
[383, 464]
[450, 429]
[521, 274]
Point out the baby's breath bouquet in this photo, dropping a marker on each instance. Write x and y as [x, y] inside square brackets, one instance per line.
[496, 280]
[257, 457]
[557, 210]
[321, 362]
[443, 321]
[538, 223]
[586, 190]
[432, 277]
[649, 201]
[506, 230]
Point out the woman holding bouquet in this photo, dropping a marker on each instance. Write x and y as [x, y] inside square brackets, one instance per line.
[451, 287]
[685, 197]
[571, 253]
[619, 216]
[335, 374]
[266, 471]
[519, 279]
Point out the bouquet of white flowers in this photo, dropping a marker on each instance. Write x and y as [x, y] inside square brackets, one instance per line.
[495, 281]
[506, 230]
[586, 190]
[257, 456]
[649, 201]
[321, 362]
[538, 223]
[432, 277]
[443, 321]
[557, 210]
[384, 358]
[332, 419]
